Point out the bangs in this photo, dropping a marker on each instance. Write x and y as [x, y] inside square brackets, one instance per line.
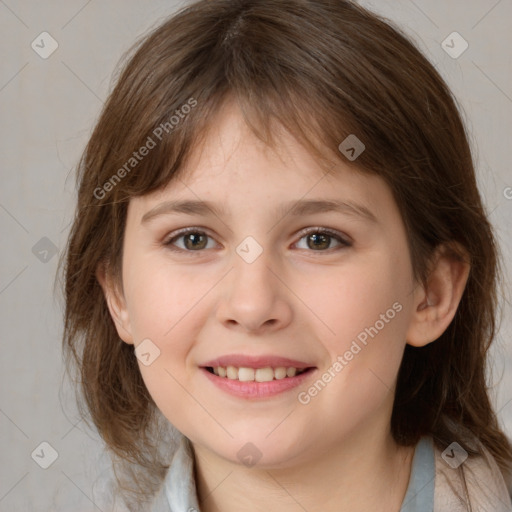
[246, 56]
[148, 160]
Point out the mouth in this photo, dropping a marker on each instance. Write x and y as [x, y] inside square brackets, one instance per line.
[256, 377]
[265, 374]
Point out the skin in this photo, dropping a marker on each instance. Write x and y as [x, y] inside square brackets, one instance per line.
[295, 300]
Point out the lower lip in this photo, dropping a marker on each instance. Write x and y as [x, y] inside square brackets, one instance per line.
[253, 389]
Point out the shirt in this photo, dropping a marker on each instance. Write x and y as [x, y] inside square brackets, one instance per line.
[434, 485]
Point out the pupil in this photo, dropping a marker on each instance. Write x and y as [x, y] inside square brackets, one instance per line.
[319, 238]
[192, 239]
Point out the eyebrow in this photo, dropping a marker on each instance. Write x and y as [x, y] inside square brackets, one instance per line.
[293, 208]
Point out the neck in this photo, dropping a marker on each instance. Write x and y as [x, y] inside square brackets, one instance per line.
[360, 474]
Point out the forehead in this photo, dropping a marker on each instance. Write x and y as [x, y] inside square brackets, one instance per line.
[232, 166]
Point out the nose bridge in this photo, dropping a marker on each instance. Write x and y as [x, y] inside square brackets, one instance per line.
[255, 298]
[253, 280]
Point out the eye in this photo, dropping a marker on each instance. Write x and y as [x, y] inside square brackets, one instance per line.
[320, 239]
[194, 240]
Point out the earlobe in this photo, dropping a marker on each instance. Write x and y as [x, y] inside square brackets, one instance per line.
[437, 301]
[116, 304]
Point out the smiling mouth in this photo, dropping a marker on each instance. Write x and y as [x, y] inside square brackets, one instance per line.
[266, 374]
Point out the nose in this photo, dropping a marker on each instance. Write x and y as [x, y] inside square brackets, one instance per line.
[255, 297]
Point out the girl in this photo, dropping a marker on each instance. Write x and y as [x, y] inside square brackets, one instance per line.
[281, 282]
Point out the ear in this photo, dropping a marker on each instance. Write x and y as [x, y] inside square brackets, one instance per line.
[116, 303]
[436, 302]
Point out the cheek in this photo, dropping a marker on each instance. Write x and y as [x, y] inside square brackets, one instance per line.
[166, 309]
[356, 299]
[365, 314]
[164, 298]
[161, 304]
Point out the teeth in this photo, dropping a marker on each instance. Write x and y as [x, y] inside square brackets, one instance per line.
[266, 374]
[290, 372]
[280, 373]
[232, 372]
[245, 374]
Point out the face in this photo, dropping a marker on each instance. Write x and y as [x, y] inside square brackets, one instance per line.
[267, 277]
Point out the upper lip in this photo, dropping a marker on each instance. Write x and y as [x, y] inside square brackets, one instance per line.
[240, 360]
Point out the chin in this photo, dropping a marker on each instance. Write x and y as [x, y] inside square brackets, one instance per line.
[259, 451]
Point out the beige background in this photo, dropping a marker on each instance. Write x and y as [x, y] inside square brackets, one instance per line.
[48, 109]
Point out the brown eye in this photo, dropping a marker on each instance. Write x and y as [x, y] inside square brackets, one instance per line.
[192, 240]
[195, 241]
[320, 240]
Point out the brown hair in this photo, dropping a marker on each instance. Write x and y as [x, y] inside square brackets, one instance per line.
[322, 69]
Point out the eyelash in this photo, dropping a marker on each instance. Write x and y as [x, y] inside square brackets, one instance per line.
[304, 233]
